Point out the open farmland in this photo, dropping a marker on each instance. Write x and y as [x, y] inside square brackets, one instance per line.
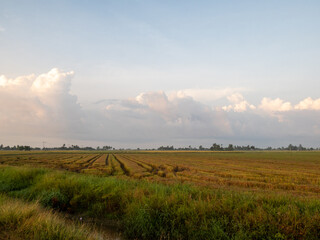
[174, 195]
[294, 172]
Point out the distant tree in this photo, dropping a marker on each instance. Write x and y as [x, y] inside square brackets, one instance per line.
[23, 148]
[166, 148]
[215, 147]
[230, 147]
[292, 147]
[106, 147]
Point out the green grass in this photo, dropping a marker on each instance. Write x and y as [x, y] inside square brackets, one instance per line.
[20, 220]
[176, 211]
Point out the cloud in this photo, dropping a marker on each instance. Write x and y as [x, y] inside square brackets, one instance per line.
[238, 103]
[208, 95]
[2, 29]
[157, 116]
[38, 105]
[275, 105]
[308, 104]
[42, 107]
[54, 81]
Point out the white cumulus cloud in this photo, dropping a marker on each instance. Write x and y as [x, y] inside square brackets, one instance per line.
[208, 95]
[239, 104]
[38, 105]
[308, 104]
[42, 107]
[275, 105]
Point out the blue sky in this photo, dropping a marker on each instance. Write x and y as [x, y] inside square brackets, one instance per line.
[121, 49]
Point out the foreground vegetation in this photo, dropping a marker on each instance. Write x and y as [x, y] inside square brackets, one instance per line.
[21, 220]
[154, 210]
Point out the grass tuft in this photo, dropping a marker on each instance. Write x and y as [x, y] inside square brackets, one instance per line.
[20, 220]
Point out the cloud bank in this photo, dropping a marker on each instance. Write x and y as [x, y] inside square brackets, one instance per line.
[37, 108]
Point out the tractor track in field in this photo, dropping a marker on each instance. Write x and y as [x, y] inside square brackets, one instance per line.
[107, 160]
[123, 167]
[87, 163]
[138, 163]
[91, 161]
[111, 165]
[150, 168]
[75, 160]
[153, 169]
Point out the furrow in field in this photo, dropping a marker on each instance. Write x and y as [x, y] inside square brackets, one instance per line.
[152, 169]
[138, 169]
[107, 160]
[88, 163]
[79, 163]
[76, 158]
[100, 162]
[85, 159]
[124, 168]
[146, 166]
[114, 166]
[94, 161]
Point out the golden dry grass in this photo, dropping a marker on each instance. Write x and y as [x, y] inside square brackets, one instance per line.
[294, 172]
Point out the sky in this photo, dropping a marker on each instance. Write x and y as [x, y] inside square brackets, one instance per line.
[150, 73]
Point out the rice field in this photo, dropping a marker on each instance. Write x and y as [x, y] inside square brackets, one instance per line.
[163, 194]
[296, 173]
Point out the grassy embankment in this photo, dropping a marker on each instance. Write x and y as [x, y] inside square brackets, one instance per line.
[156, 211]
[21, 220]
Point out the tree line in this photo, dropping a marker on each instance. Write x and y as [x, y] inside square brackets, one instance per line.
[63, 147]
[214, 147]
[231, 147]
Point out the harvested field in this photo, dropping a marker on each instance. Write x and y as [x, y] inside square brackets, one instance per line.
[175, 195]
[294, 172]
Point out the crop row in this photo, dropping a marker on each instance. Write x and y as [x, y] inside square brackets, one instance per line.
[297, 172]
[258, 171]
